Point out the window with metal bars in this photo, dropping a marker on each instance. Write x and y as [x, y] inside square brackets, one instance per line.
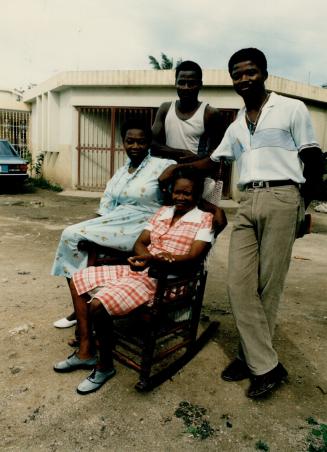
[14, 127]
[100, 148]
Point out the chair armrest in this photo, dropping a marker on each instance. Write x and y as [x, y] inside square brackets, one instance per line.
[179, 290]
[159, 273]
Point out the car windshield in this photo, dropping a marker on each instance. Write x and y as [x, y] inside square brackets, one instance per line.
[6, 150]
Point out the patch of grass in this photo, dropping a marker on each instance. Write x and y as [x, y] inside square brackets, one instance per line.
[195, 421]
[311, 421]
[41, 182]
[261, 445]
[317, 437]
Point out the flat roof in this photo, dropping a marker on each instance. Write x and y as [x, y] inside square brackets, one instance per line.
[164, 78]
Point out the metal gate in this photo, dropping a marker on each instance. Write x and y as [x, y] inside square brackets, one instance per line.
[14, 127]
[100, 148]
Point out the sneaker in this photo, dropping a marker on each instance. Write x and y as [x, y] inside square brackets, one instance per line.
[261, 385]
[64, 323]
[237, 370]
[73, 362]
[94, 381]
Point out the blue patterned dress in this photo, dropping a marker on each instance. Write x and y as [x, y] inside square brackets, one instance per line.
[128, 202]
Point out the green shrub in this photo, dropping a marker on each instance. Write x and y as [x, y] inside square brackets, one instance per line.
[41, 182]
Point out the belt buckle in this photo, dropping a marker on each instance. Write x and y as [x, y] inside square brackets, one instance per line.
[258, 184]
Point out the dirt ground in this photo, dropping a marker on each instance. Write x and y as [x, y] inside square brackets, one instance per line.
[40, 410]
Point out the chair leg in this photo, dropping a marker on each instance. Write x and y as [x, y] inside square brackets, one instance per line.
[196, 313]
[147, 358]
[160, 377]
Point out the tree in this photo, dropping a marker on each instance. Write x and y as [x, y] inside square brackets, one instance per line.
[166, 62]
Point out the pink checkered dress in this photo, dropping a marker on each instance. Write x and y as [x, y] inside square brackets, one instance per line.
[119, 288]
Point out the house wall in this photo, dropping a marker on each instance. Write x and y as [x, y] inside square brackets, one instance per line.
[53, 134]
[55, 118]
[319, 119]
[9, 101]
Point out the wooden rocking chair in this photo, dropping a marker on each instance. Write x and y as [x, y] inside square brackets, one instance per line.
[158, 340]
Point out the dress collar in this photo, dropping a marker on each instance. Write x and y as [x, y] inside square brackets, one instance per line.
[193, 216]
[141, 165]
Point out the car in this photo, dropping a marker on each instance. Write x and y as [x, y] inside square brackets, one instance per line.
[13, 169]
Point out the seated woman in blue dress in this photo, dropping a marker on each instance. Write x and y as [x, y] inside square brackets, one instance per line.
[131, 197]
[175, 237]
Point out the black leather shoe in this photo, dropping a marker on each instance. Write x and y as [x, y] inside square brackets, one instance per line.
[237, 370]
[261, 385]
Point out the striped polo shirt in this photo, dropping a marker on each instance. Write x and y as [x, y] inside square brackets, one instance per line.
[271, 153]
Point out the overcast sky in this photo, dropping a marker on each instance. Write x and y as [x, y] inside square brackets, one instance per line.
[40, 38]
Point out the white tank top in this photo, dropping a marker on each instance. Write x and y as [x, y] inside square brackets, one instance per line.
[184, 134]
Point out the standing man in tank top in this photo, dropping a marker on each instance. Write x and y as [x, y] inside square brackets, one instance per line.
[186, 129]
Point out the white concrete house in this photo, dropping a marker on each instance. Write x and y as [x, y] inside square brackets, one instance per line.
[76, 116]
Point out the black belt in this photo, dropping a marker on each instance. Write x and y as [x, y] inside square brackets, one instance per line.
[270, 183]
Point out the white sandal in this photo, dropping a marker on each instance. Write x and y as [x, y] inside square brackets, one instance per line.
[64, 323]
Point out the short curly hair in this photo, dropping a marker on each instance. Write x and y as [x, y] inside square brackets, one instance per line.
[136, 123]
[191, 174]
[249, 54]
[188, 65]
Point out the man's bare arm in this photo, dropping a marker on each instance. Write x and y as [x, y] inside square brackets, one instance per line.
[206, 166]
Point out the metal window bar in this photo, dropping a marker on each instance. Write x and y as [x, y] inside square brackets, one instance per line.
[99, 145]
[14, 127]
[100, 148]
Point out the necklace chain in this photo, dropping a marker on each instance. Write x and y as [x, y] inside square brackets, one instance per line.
[253, 124]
